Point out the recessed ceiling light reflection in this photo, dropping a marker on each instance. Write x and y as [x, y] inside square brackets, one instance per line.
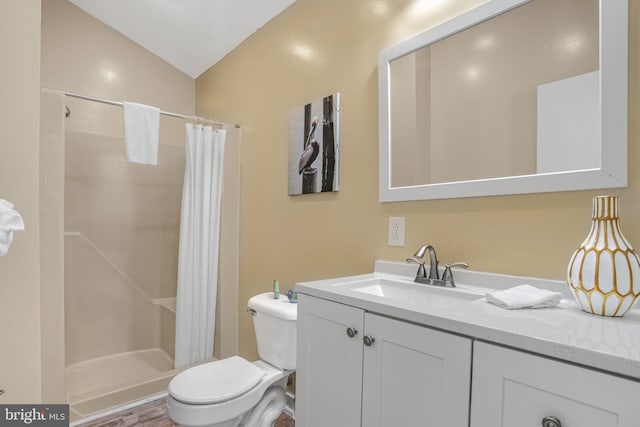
[485, 42]
[380, 8]
[303, 52]
[109, 75]
[573, 43]
[472, 74]
[423, 7]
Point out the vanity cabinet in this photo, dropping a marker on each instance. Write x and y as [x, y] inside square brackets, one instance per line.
[513, 388]
[359, 368]
[329, 364]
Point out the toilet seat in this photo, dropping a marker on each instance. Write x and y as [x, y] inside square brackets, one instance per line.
[193, 414]
[215, 382]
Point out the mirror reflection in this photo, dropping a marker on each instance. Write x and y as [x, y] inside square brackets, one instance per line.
[515, 95]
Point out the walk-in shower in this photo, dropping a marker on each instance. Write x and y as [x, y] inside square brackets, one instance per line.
[121, 242]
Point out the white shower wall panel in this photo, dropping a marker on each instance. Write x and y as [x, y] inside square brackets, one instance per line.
[104, 314]
[121, 246]
[131, 212]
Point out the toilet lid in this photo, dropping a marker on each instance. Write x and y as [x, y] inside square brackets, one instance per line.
[215, 382]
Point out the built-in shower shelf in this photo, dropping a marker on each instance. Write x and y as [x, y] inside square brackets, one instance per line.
[168, 303]
[114, 380]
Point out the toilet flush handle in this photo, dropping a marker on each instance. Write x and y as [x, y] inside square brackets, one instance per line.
[251, 311]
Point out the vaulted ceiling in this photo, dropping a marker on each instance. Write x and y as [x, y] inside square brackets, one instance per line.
[191, 35]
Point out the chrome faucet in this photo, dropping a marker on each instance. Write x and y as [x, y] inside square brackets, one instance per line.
[433, 262]
[434, 277]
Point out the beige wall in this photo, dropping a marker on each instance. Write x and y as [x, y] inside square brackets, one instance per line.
[317, 47]
[52, 246]
[19, 134]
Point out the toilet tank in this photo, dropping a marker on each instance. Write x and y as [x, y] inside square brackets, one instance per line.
[275, 324]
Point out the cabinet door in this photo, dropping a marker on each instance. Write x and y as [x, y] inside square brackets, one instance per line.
[414, 376]
[512, 388]
[329, 364]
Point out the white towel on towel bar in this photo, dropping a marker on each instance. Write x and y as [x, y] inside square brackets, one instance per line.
[141, 133]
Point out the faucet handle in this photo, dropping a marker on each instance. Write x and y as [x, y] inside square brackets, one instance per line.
[421, 271]
[448, 275]
[416, 260]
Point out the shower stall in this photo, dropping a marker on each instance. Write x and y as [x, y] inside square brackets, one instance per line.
[121, 233]
[121, 245]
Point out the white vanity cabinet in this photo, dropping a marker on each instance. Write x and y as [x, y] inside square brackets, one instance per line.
[513, 388]
[329, 363]
[358, 368]
[446, 357]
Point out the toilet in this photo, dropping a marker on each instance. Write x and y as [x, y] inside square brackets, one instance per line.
[233, 391]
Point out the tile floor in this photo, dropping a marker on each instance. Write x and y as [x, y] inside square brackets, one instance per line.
[154, 414]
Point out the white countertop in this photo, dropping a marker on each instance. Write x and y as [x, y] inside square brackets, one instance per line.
[564, 332]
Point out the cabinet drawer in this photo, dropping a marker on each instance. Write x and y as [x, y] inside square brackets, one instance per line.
[512, 388]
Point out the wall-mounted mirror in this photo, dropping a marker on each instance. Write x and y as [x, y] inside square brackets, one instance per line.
[515, 96]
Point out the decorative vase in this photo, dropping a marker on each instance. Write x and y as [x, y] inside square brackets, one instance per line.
[604, 272]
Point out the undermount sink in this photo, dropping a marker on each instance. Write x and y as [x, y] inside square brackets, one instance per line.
[411, 293]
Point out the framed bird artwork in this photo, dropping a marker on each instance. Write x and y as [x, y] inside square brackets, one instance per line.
[314, 146]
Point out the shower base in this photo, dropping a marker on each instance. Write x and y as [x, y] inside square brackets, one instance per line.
[96, 385]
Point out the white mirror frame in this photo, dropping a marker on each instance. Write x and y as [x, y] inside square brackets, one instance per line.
[613, 96]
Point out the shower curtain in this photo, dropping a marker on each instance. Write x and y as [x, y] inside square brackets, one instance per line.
[199, 245]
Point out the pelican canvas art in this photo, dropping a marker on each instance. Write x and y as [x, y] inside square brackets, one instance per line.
[314, 146]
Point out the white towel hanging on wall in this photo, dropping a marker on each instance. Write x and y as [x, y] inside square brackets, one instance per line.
[10, 220]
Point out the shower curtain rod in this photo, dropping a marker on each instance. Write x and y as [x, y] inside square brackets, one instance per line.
[119, 104]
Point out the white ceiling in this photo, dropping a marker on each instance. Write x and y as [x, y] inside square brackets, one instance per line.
[192, 35]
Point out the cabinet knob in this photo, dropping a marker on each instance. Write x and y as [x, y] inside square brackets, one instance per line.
[551, 421]
[368, 340]
[351, 332]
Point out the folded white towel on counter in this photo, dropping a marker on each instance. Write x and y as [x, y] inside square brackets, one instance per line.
[524, 296]
[141, 132]
[10, 220]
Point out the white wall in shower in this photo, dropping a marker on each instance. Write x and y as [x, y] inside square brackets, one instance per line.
[121, 241]
[121, 245]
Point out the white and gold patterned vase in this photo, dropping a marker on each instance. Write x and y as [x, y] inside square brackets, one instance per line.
[604, 272]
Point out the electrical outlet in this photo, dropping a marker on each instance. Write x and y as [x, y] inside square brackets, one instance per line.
[396, 231]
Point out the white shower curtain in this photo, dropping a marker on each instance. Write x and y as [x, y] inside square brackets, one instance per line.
[199, 245]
